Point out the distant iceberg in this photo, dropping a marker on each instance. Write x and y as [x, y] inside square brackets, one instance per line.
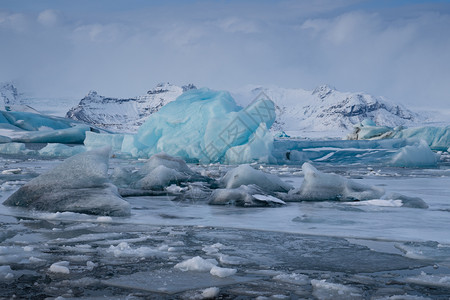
[27, 127]
[437, 138]
[201, 125]
[418, 155]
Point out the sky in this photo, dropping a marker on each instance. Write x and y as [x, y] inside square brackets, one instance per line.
[399, 49]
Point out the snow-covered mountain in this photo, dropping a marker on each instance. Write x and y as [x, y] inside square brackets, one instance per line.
[326, 111]
[323, 112]
[12, 100]
[124, 115]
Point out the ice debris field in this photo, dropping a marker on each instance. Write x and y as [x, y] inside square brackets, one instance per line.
[210, 205]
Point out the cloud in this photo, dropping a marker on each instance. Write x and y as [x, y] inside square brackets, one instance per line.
[17, 22]
[49, 18]
[237, 25]
[401, 54]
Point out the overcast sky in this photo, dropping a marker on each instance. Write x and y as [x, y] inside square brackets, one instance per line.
[61, 48]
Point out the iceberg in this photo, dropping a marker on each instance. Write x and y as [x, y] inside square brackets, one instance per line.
[418, 155]
[203, 125]
[438, 138]
[160, 170]
[367, 129]
[60, 150]
[27, 127]
[79, 184]
[97, 140]
[245, 196]
[15, 148]
[318, 186]
[246, 175]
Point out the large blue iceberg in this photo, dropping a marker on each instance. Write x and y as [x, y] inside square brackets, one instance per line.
[201, 125]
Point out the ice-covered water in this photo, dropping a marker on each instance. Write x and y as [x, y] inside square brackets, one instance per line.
[327, 250]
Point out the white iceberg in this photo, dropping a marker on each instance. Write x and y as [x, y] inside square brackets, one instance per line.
[15, 148]
[60, 150]
[197, 264]
[418, 155]
[245, 175]
[245, 196]
[333, 291]
[160, 171]
[79, 184]
[97, 140]
[318, 186]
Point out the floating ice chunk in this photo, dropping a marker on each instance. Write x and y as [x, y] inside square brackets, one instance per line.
[170, 162]
[123, 249]
[104, 219]
[318, 186]
[294, 278]
[162, 170]
[60, 267]
[268, 199]
[243, 196]
[196, 264]
[413, 202]
[415, 156]
[95, 140]
[12, 171]
[210, 293]
[56, 150]
[245, 175]
[334, 291]
[161, 177]
[379, 202]
[222, 272]
[79, 184]
[15, 148]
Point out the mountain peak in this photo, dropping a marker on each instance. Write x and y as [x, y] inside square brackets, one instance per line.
[92, 93]
[323, 91]
[9, 93]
